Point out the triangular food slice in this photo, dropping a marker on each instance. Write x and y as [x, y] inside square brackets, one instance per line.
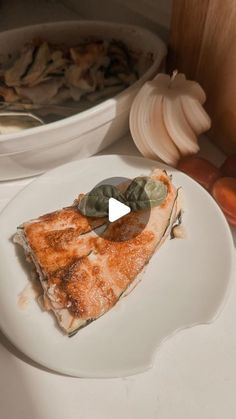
[83, 275]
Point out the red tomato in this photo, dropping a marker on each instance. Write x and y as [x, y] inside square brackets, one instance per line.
[228, 168]
[200, 170]
[224, 192]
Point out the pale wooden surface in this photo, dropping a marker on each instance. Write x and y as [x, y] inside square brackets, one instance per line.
[203, 45]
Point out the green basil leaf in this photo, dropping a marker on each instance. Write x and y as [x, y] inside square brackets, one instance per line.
[144, 193]
[96, 202]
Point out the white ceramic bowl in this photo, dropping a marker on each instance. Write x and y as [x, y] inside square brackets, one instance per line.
[35, 150]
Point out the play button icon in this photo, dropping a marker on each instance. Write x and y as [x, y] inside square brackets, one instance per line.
[117, 209]
[118, 221]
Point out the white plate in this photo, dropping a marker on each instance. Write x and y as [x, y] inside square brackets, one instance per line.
[184, 284]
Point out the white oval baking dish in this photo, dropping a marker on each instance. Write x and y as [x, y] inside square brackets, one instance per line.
[38, 149]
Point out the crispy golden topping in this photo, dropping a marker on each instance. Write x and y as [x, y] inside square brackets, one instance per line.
[85, 273]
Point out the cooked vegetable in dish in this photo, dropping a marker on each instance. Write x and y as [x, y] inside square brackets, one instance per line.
[45, 73]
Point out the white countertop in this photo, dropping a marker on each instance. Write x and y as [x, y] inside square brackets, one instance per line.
[194, 374]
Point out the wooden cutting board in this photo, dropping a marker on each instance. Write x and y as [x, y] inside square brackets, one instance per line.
[203, 46]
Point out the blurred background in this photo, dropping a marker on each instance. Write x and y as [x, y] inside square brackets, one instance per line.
[149, 13]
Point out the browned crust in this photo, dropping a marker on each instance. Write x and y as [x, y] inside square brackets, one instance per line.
[56, 238]
[90, 273]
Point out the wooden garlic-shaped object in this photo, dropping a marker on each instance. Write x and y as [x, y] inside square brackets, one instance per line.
[167, 117]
